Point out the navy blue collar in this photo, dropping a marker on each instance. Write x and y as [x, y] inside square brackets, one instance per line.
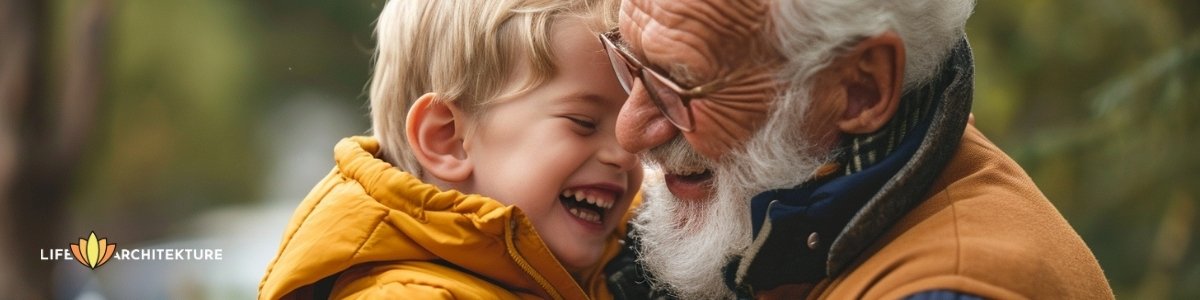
[832, 202]
[809, 217]
[812, 213]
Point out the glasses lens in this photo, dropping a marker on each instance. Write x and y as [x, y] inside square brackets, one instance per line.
[624, 75]
[668, 101]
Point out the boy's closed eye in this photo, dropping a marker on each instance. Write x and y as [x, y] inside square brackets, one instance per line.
[582, 124]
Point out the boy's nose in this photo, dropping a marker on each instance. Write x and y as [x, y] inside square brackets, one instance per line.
[616, 156]
[640, 125]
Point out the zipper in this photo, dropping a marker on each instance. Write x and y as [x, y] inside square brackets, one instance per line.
[516, 256]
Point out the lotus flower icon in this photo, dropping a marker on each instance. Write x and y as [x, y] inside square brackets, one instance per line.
[93, 252]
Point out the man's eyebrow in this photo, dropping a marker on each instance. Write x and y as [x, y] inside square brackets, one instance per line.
[622, 44]
[683, 75]
[624, 47]
[680, 73]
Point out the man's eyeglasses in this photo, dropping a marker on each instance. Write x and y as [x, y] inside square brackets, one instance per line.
[670, 97]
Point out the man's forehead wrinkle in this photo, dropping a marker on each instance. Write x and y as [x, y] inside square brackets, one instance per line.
[726, 20]
[682, 41]
[751, 13]
[740, 23]
[670, 30]
[736, 20]
[633, 17]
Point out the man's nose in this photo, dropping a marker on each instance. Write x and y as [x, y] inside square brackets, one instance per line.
[640, 124]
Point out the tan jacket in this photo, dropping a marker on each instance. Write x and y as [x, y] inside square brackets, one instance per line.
[985, 229]
[958, 216]
[385, 234]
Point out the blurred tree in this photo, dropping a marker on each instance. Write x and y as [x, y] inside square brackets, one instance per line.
[176, 133]
[47, 123]
[1097, 100]
[156, 119]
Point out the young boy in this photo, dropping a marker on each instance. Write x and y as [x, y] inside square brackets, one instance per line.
[512, 99]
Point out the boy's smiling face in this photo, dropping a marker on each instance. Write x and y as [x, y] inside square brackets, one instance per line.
[552, 151]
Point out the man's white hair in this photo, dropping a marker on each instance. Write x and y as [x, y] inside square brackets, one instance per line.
[686, 245]
[810, 33]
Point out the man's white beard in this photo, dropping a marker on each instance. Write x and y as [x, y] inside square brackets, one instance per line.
[686, 245]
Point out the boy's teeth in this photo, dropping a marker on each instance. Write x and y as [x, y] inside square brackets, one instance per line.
[586, 215]
[584, 197]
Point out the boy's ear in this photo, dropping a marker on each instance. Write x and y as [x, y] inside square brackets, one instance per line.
[872, 74]
[435, 131]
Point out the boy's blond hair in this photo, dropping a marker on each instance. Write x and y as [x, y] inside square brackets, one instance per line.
[465, 51]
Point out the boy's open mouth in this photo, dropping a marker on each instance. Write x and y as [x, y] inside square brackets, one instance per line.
[588, 204]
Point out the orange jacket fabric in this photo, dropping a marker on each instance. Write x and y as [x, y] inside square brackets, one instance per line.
[386, 234]
[986, 230]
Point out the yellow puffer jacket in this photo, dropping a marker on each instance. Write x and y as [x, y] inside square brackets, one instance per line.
[386, 234]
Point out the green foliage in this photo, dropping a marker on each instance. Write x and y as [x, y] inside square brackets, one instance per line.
[187, 85]
[1097, 100]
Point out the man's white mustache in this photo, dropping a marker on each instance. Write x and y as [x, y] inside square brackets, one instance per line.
[675, 157]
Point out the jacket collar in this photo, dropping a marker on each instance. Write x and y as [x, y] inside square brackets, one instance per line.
[369, 212]
[885, 175]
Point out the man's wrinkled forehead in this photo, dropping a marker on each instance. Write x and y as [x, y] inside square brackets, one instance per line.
[721, 17]
[709, 28]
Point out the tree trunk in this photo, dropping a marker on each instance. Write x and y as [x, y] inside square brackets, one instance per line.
[43, 133]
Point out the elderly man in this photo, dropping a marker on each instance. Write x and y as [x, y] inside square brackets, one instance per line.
[821, 148]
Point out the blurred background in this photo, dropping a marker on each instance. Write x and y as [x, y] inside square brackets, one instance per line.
[202, 124]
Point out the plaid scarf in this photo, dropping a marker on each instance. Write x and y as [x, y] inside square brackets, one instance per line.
[862, 151]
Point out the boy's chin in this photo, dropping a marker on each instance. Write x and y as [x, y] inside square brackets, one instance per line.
[580, 261]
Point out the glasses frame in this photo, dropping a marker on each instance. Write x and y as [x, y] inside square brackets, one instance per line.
[637, 70]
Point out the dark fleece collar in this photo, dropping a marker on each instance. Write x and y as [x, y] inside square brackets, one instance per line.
[884, 175]
[859, 152]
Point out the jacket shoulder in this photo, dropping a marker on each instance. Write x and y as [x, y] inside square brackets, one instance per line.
[415, 280]
[984, 229]
[291, 268]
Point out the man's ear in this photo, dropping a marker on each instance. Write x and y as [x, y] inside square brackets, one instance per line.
[873, 78]
[435, 131]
